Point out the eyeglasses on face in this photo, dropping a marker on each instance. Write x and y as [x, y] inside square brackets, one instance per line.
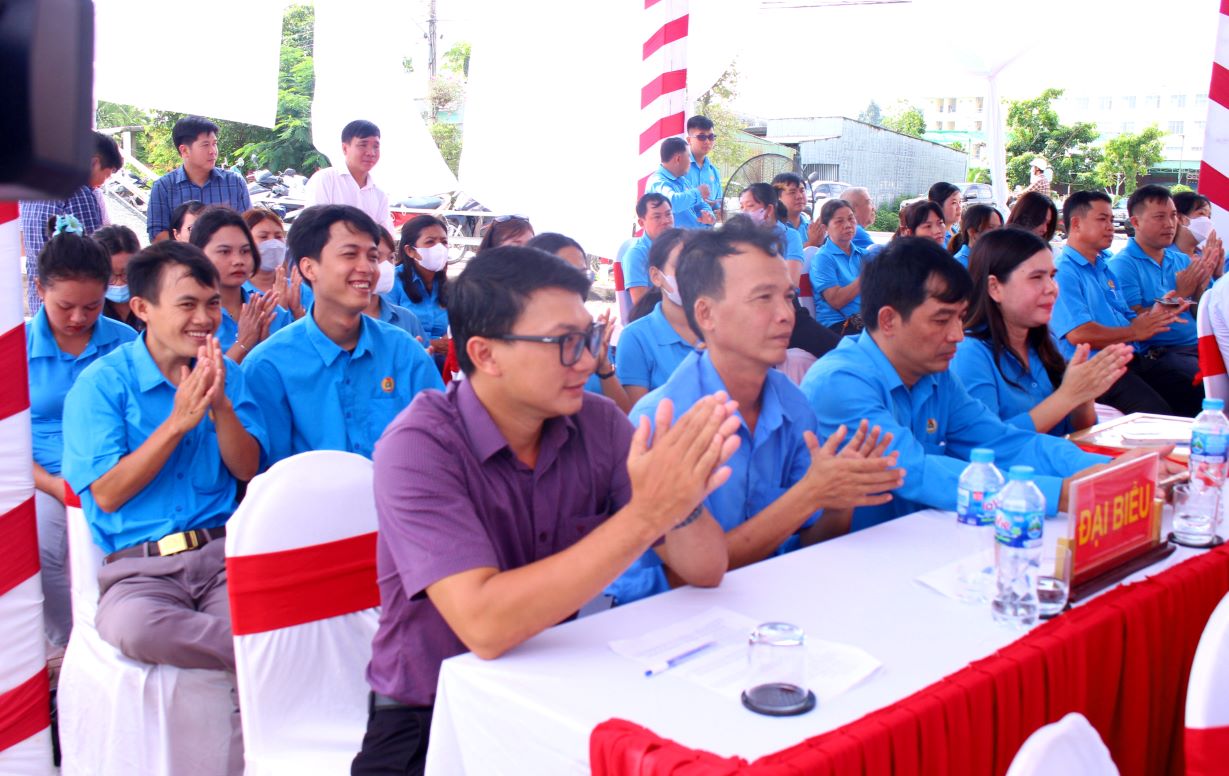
[701, 136]
[571, 345]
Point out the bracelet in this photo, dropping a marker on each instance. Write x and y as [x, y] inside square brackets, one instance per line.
[245, 347]
[605, 375]
[694, 516]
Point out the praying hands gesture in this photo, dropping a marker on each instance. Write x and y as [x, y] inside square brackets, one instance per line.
[1192, 281]
[1087, 378]
[254, 321]
[294, 290]
[194, 394]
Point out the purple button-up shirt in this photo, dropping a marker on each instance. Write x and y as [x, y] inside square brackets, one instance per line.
[451, 497]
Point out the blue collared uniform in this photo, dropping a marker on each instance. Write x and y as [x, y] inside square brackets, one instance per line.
[685, 199]
[708, 175]
[635, 262]
[862, 238]
[53, 372]
[114, 407]
[1011, 392]
[765, 465]
[403, 319]
[804, 224]
[935, 425]
[1141, 281]
[431, 315]
[962, 256]
[1088, 293]
[228, 329]
[650, 350]
[791, 244]
[316, 396]
[175, 188]
[830, 268]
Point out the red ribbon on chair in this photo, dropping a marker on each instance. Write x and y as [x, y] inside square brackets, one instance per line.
[1211, 363]
[280, 589]
[24, 710]
[1207, 750]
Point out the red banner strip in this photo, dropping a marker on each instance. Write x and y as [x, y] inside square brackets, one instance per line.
[280, 589]
[71, 499]
[8, 212]
[1224, 7]
[1214, 185]
[1218, 92]
[14, 380]
[674, 81]
[671, 31]
[19, 540]
[1206, 750]
[24, 710]
[662, 129]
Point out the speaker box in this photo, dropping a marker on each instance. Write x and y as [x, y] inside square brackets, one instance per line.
[46, 97]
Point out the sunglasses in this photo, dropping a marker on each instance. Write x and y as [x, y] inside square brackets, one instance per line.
[709, 136]
[513, 217]
[571, 345]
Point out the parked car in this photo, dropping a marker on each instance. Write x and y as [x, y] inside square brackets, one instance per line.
[821, 191]
[1122, 218]
[976, 193]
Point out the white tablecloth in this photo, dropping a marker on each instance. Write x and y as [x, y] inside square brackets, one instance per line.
[531, 711]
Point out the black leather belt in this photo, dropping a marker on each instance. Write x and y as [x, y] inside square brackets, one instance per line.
[171, 544]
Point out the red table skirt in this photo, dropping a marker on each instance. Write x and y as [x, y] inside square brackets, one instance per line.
[1122, 660]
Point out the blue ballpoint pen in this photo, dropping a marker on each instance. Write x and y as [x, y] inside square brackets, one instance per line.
[671, 662]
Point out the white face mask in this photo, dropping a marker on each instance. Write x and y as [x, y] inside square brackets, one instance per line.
[388, 274]
[434, 258]
[758, 216]
[670, 289]
[272, 254]
[1201, 227]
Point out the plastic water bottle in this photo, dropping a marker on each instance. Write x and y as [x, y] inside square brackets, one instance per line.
[1209, 444]
[1018, 521]
[976, 494]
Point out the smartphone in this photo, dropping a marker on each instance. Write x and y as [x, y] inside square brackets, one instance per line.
[1170, 302]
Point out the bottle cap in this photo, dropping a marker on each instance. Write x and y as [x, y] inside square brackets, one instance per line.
[1216, 405]
[981, 455]
[1020, 473]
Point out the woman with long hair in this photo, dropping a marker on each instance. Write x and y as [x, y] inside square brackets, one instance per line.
[421, 284]
[835, 271]
[923, 219]
[380, 307]
[1009, 361]
[975, 221]
[506, 230]
[121, 244]
[1035, 212]
[182, 218]
[950, 200]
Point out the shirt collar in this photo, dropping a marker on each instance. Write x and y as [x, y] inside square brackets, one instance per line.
[329, 350]
[345, 173]
[663, 332]
[43, 344]
[1078, 258]
[696, 377]
[1136, 251]
[148, 375]
[663, 172]
[485, 438]
[884, 366]
[697, 165]
[180, 174]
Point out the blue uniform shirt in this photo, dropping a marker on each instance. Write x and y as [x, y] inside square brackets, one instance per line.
[52, 373]
[709, 176]
[791, 249]
[685, 199]
[650, 350]
[432, 317]
[935, 425]
[981, 377]
[962, 256]
[862, 238]
[316, 396]
[833, 267]
[1141, 281]
[765, 465]
[228, 329]
[403, 319]
[635, 261]
[114, 407]
[804, 224]
[1087, 293]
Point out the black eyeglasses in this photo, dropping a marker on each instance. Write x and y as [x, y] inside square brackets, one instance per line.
[709, 136]
[571, 345]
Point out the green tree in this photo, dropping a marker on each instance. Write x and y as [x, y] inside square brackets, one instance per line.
[979, 175]
[906, 119]
[872, 115]
[956, 145]
[1034, 129]
[1127, 157]
[456, 59]
[728, 152]
[448, 139]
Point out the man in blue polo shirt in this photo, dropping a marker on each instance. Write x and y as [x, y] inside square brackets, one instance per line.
[197, 178]
[738, 298]
[654, 215]
[1092, 308]
[335, 378]
[157, 435]
[700, 140]
[859, 198]
[689, 203]
[895, 374]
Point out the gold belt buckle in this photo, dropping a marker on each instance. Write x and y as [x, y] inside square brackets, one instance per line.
[177, 543]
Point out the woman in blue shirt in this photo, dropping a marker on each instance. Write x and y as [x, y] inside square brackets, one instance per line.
[658, 337]
[66, 335]
[835, 271]
[793, 194]
[760, 202]
[248, 317]
[976, 220]
[950, 201]
[1010, 361]
[121, 244]
[422, 281]
[380, 307]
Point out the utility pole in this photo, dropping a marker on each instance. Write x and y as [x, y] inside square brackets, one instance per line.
[432, 37]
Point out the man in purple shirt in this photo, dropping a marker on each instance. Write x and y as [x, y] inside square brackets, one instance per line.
[510, 501]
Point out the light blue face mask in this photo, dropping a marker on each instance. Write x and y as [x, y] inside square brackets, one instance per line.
[117, 294]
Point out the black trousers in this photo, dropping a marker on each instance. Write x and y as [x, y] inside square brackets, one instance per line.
[1159, 381]
[812, 337]
[395, 743]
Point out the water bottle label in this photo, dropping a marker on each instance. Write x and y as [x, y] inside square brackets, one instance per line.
[1018, 529]
[975, 507]
[1208, 446]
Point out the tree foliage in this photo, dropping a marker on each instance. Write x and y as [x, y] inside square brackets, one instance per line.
[1034, 129]
[872, 115]
[1127, 157]
[447, 138]
[728, 152]
[906, 119]
[456, 59]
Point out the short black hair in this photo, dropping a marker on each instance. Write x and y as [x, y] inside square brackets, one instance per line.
[1188, 202]
[552, 242]
[184, 209]
[1079, 203]
[107, 151]
[787, 179]
[189, 128]
[1150, 192]
[117, 238]
[831, 208]
[146, 268]
[672, 147]
[490, 295]
[359, 128]
[217, 217]
[652, 198]
[70, 256]
[900, 277]
[941, 192]
[699, 271]
[310, 232]
[702, 123]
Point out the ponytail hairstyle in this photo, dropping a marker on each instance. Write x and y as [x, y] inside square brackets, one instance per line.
[973, 222]
[766, 195]
[659, 256]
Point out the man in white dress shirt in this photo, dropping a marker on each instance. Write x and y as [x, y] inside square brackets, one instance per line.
[352, 184]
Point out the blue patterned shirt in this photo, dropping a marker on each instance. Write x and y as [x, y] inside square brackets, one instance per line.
[175, 188]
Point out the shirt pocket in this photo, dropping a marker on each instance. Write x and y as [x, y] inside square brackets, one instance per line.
[572, 529]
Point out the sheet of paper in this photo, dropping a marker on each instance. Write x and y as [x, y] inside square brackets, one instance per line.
[944, 580]
[832, 668]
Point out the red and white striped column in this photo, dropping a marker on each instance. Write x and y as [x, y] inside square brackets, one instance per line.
[25, 737]
[663, 98]
[1214, 169]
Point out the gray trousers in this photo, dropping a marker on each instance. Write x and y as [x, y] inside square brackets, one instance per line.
[53, 557]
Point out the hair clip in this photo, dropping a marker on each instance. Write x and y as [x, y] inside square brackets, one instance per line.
[68, 223]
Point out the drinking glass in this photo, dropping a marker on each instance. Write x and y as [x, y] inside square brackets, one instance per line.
[777, 656]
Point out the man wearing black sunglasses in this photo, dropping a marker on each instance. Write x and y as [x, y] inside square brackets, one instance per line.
[700, 139]
[510, 501]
